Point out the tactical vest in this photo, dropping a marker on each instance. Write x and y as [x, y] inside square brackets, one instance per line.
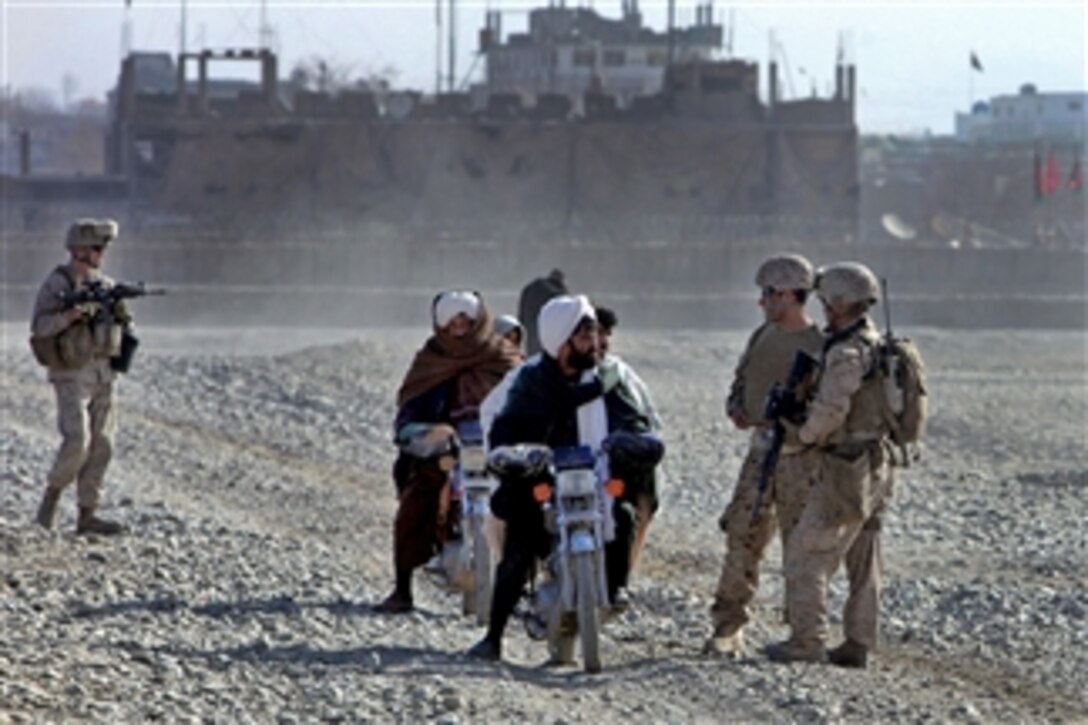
[866, 420]
[78, 344]
[768, 357]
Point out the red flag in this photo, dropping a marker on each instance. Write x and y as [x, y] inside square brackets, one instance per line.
[1052, 180]
[1076, 176]
[1037, 176]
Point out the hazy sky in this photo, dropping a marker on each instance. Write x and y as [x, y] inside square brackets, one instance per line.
[912, 56]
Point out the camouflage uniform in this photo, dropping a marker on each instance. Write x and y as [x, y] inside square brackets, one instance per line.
[85, 413]
[86, 416]
[766, 360]
[841, 521]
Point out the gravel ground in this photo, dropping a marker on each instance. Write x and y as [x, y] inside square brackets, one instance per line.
[252, 466]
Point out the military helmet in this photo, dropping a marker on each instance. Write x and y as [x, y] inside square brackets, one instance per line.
[785, 272]
[847, 282]
[91, 233]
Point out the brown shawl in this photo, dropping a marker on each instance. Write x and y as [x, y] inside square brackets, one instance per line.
[478, 361]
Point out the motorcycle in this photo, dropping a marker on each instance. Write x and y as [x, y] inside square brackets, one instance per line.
[570, 602]
[577, 493]
[471, 488]
[464, 563]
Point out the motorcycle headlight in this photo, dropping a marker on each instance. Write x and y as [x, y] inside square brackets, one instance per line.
[473, 459]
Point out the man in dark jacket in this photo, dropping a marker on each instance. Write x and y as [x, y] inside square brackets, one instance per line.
[542, 407]
[533, 298]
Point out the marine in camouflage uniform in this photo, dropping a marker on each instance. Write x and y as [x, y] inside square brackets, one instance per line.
[841, 521]
[785, 281]
[79, 369]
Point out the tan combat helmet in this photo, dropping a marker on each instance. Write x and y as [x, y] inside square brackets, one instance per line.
[846, 283]
[785, 272]
[91, 233]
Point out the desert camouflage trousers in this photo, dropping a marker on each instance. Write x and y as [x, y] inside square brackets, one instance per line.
[747, 537]
[86, 419]
[825, 537]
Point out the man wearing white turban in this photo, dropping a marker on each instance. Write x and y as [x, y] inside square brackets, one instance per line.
[448, 378]
[533, 298]
[557, 399]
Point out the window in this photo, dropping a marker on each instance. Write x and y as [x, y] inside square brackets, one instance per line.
[615, 58]
[656, 57]
[585, 58]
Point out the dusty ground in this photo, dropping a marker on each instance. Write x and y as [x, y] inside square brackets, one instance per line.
[253, 468]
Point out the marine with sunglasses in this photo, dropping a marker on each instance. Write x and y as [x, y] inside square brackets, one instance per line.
[785, 282]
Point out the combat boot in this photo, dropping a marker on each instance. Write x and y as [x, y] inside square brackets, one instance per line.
[47, 510]
[794, 651]
[849, 654]
[88, 523]
[395, 603]
[486, 649]
[725, 644]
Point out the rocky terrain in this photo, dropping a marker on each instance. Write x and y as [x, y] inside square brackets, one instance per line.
[253, 469]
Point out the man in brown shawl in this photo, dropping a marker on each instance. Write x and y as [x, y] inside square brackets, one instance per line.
[448, 378]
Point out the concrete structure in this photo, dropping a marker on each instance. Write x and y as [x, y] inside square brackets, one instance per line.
[1026, 117]
[572, 51]
[704, 153]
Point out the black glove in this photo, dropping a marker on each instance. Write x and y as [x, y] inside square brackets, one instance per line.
[782, 404]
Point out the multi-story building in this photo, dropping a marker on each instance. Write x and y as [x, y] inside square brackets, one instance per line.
[571, 51]
[1027, 117]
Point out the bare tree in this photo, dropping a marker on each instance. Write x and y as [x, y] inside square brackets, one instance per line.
[328, 75]
[320, 74]
[34, 99]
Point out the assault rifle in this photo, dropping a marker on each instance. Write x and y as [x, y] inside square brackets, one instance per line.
[782, 403]
[94, 293]
[100, 301]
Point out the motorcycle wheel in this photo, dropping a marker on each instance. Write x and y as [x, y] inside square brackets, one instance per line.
[560, 634]
[589, 621]
[482, 572]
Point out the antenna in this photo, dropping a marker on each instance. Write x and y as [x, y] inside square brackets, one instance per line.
[732, 28]
[126, 31]
[672, 31]
[263, 31]
[184, 25]
[453, 45]
[887, 307]
[437, 47]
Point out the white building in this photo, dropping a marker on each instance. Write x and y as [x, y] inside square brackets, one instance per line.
[573, 50]
[1026, 117]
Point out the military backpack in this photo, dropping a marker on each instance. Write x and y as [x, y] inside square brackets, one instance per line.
[902, 372]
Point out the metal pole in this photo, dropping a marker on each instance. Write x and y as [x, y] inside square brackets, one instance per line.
[453, 46]
[262, 32]
[437, 47]
[184, 24]
[126, 32]
[732, 26]
[671, 30]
